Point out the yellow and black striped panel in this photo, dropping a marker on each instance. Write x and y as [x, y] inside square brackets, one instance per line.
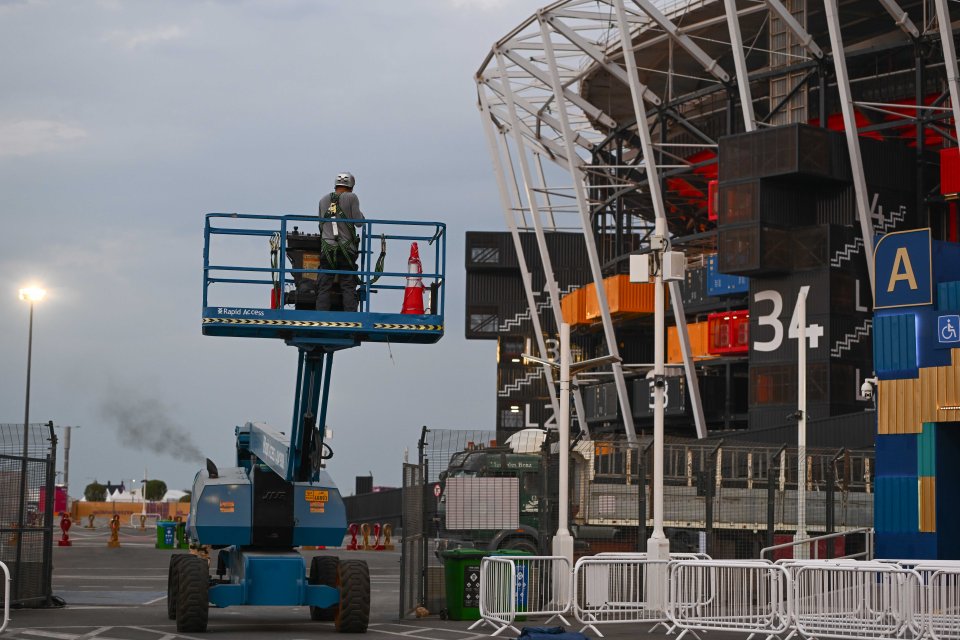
[285, 323]
[408, 327]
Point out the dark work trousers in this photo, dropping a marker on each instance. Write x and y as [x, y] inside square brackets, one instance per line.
[348, 282]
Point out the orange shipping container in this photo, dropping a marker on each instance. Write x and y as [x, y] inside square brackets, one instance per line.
[699, 339]
[623, 297]
[571, 307]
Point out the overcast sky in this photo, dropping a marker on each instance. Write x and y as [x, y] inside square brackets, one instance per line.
[122, 123]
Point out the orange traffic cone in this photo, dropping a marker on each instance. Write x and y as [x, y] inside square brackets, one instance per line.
[413, 294]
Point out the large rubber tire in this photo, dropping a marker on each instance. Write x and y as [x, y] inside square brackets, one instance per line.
[173, 579]
[353, 579]
[323, 570]
[193, 595]
[521, 544]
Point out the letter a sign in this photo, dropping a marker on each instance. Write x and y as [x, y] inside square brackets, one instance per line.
[902, 264]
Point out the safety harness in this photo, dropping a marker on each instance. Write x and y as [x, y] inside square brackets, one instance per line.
[345, 245]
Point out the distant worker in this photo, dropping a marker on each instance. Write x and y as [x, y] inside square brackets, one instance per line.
[340, 243]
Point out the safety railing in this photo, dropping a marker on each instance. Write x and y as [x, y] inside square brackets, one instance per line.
[529, 585]
[843, 598]
[857, 601]
[616, 589]
[811, 543]
[375, 236]
[6, 596]
[729, 595]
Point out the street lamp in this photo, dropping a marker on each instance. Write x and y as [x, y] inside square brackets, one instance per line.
[31, 294]
[563, 541]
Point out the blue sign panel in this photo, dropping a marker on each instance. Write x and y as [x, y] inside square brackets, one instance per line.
[948, 329]
[903, 272]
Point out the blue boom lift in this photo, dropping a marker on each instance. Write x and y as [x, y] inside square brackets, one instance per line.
[278, 496]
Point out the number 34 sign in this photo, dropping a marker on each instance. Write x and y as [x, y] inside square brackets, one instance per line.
[767, 309]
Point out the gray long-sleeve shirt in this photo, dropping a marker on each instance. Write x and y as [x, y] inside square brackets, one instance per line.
[334, 232]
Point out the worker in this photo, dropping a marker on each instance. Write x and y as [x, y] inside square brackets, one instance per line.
[340, 242]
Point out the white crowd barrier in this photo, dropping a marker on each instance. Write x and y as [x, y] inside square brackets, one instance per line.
[841, 598]
[525, 585]
[616, 589]
[6, 596]
[716, 595]
[861, 601]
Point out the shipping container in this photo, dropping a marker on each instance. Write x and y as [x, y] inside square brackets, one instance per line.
[832, 385]
[948, 296]
[926, 450]
[713, 203]
[676, 398]
[795, 151]
[698, 333]
[907, 545]
[940, 392]
[950, 171]
[728, 333]
[601, 404]
[889, 164]
[624, 298]
[828, 245]
[898, 406]
[896, 454]
[490, 250]
[895, 346]
[829, 337]
[895, 505]
[722, 284]
[754, 250]
[573, 307]
[764, 202]
[831, 291]
[928, 504]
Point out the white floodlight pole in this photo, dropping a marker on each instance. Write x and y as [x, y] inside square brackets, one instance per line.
[801, 551]
[658, 546]
[563, 541]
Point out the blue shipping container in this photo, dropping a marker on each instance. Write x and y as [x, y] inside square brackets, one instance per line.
[919, 546]
[897, 455]
[722, 284]
[896, 505]
[927, 450]
[895, 346]
[948, 296]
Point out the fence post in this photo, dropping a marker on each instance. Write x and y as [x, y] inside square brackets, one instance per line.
[642, 499]
[50, 485]
[424, 575]
[831, 499]
[772, 479]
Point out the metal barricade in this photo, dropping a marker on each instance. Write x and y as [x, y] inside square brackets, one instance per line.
[6, 596]
[861, 601]
[616, 589]
[942, 619]
[716, 595]
[531, 585]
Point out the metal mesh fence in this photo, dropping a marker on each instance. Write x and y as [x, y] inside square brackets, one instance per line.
[26, 510]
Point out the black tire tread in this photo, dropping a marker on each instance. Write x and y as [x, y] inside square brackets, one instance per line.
[353, 579]
[323, 570]
[173, 578]
[192, 597]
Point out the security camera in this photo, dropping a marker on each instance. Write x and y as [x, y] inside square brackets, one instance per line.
[866, 390]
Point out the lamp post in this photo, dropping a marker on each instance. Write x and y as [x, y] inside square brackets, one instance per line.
[563, 541]
[32, 295]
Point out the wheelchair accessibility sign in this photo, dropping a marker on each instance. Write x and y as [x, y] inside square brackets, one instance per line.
[948, 329]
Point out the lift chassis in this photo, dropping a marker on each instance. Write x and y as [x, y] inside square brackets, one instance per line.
[256, 515]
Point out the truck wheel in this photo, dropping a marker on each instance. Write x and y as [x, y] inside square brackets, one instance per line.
[323, 570]
[353, 578]
[192, 594]
[521, 544]
[173, 577]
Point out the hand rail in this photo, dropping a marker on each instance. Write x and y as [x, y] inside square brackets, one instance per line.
[867, 554]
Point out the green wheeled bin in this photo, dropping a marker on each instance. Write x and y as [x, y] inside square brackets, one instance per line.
[461, 569]
[166, 535]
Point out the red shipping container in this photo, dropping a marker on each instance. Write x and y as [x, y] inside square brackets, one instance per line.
[729, 332]
[950, 171]
[713, 199]
[59, 500]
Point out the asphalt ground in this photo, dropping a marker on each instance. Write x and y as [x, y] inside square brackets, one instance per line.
[120, 594]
